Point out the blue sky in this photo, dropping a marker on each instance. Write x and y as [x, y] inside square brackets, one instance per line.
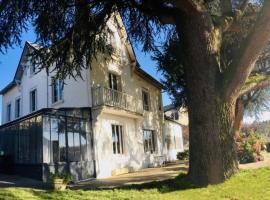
[9, 62]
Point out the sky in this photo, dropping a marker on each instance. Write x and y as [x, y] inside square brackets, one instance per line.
[10, 60]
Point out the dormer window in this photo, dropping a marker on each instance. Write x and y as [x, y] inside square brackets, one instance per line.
[57, 90]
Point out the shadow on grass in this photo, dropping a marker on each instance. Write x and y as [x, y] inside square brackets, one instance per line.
[181, 182]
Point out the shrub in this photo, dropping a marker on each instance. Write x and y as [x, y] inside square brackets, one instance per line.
[250, 146]
[183, 155]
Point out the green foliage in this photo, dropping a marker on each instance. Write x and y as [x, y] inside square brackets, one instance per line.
[61, 175]
[246, 185]
[250, 146]
[183, 155]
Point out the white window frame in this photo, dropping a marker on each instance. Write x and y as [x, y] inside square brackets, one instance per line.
[118, 83]
[8, 113]
[150, 149]
[146, 107]
[115, 150]
[18, 115]
[60, 90]
[30, 100]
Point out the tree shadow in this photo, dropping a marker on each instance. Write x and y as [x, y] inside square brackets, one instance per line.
[181, 182]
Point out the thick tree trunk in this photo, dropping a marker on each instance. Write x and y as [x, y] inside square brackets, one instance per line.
[211, 116]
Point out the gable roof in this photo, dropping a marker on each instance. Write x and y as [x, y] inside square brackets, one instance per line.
[20, 69]
[137, 69]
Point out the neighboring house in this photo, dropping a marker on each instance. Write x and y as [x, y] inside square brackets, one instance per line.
[176, 130]
[107, 123]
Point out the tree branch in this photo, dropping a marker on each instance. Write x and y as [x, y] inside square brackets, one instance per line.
[188, 5]
[237, 74]
[254, 83]
[230, 21]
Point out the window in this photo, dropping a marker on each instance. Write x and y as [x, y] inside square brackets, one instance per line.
[18, 108]
[9, 112]
[66, 139]
[33, 69]
[149, 141]
[114, 82]
[33, 100]
[146, 100]
[57, 90]
[176, 115]
[117, 138]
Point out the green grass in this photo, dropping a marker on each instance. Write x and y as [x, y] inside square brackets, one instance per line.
[249, 184]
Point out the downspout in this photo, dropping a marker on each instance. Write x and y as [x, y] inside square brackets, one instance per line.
[47, 90]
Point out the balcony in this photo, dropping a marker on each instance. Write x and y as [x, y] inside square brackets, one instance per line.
[102, 96]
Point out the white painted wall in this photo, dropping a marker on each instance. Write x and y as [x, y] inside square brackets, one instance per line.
[172, 129]
[76, 93]
[10, 97]
[134, 157]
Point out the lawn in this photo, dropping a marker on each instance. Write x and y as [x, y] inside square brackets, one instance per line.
[249, 184]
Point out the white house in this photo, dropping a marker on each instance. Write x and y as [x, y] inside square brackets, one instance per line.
[108, 123]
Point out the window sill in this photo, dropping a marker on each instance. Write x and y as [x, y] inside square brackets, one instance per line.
[57, 103]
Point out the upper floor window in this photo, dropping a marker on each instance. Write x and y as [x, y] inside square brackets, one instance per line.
[114, 82]
[176, 115]
[33, 69]
[149, 141]
[57, 90]
[117, 139]
[33, 100]
[9, 112]
[18, 107]
[146, 99]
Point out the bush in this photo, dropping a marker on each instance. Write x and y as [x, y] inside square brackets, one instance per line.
[250, 146]
[183, 155]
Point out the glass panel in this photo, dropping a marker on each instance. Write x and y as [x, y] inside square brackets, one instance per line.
[32, 140]
[39, 138]
[77, 148]
[62, 139]
[46, 139]
[70, 139]
[114, 139]
[83, 141]
[54, 140]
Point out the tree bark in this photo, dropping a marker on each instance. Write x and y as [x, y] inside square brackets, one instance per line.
[211, 114]
[239, 115]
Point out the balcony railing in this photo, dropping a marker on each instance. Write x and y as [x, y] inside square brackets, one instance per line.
[109, 97]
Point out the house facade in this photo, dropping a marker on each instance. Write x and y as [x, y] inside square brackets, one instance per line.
[109, 122]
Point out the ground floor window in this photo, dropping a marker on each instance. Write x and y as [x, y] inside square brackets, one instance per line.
[117, 138]
[66, 139]
[149, 141]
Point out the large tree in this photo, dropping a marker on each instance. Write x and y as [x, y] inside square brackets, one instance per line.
[73, 31]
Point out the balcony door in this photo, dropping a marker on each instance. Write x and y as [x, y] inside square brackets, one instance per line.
[115, 82]
[115, 88]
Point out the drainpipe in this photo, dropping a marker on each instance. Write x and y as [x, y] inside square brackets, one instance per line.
[47, 77]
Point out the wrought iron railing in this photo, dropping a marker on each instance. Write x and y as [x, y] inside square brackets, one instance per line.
[106, 96]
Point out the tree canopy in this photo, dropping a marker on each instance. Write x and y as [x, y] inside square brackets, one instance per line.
[216, 43]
